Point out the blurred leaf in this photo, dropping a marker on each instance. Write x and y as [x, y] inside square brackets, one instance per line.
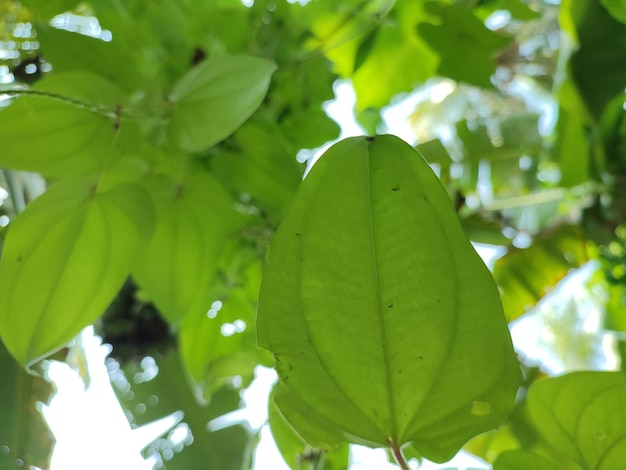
[70, 52]
[64, 259]
[260, 165]
[45, 9]
[466, 46]
[481, 229]
[148, 399]
[599, 76]
[216, 97]
[23, 434]
[382, 75]
[60, 137]
[381, 204]
[310, 129]
[525, 275]
[194, 220]
[581, 415]
[617, 9]
[221, 344]
[523, 460]
[433, 151]
[572, 149]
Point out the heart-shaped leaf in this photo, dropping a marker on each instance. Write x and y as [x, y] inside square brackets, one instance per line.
[379, 312]
[582, 416]
[193, 223]
[217, 97]
[64, 259]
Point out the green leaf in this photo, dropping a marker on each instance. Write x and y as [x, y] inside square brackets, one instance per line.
[147, 398]
[598, 66]
[465, 45]
[23, 433]
[376, 330]
[261, 166]
[617, 9]
[582, 415]
[216, 97]
[524, 276]
[49, 8]
[310, 129]
[222, 344]
[291, 445]
[64, 259]
[68, 52]
[522, 460]
[69, 128]
[193, 223]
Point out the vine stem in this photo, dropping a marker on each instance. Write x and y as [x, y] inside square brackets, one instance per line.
[398, 455]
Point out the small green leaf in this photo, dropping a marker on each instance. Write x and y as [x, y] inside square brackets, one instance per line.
[64, 259]
[215, 98]
[376, 330]
[582, 416]
[193, 223]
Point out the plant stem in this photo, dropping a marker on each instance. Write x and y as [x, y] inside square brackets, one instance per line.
[398, 455]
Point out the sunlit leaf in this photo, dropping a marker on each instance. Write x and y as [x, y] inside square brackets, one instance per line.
[65, 258]
[193, 223]
[523, 460]
[60, 136]
[335, 315]
[581, 415]
[23, 435]
[616, 8]
[524, 276]
[216, 97]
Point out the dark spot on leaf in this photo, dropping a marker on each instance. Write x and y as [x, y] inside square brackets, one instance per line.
[290, 366]
[369, 138]
[399, 371]
[395, 189]
[198, 56]
[19, 259]
[298, 234]
[420, 357]
[390, 305]
[425, 198]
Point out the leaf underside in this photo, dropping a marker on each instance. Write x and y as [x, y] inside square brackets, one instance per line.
[380, 314]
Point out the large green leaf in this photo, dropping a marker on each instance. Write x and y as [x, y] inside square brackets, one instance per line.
[216, 97]
[64, 259]
[23, 433]
[68, 128]
[376, 330]
[582, 415]
[193, 223]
